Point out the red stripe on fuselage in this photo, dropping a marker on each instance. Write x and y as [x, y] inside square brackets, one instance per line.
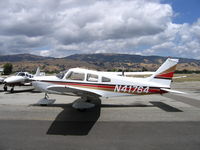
[152, 90]
[82, 84]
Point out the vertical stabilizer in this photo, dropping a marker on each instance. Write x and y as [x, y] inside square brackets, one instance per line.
[37, 72]
[165, 73]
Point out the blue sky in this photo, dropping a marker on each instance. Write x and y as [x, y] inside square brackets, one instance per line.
[60, 28]
[188, 11]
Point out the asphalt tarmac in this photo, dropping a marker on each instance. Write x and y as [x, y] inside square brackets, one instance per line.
[150, 122]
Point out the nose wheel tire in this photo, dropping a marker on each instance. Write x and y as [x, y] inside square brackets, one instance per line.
[12, 90]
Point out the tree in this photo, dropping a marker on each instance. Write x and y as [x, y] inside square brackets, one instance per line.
[7, 68]
[144, 69]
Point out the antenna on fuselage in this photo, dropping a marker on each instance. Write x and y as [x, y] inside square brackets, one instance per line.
[123, 71]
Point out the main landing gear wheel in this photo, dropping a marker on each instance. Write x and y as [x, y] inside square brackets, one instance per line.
[5, 88]
[12, 90]
[45, 101]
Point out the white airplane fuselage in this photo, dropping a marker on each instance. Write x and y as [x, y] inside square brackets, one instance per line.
[104, 84]
[15, 80]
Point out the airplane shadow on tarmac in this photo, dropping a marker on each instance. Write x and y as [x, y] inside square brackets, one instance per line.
[73, 122]
[165, 107]
[187, 100]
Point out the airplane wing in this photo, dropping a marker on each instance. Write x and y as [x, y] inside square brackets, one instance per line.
[76, 90]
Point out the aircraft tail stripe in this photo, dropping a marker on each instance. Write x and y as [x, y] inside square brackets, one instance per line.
[168, 76]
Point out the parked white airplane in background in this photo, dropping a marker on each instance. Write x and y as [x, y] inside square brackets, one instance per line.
[20, 79]
[89, 84]
[1, 80]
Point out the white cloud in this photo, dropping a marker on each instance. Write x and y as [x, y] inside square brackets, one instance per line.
[45, 52]
[63, 27]
[181, 40]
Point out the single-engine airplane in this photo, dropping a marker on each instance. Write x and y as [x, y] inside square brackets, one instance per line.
[20, 79]
[89, 84]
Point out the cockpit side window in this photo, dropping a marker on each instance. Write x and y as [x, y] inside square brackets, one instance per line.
[76, 76]
[92, 77]
[61, 74]
[105, 79]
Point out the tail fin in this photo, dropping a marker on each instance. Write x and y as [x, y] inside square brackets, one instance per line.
[37, 72]
[165, 73]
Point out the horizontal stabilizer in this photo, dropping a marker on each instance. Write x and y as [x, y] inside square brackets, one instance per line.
[173, 91]
[179, 77]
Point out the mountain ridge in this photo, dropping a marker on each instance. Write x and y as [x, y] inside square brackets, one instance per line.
[22, 57]
[100, 61]
[113, 57]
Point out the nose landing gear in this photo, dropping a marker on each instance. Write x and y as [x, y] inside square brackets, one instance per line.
[5, 88]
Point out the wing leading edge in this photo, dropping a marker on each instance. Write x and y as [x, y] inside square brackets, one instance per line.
[76, 90]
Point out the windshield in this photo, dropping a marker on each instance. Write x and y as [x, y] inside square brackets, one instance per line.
[61, 74]
[21, 74]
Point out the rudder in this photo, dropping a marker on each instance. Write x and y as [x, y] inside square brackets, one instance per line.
[165, 72]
